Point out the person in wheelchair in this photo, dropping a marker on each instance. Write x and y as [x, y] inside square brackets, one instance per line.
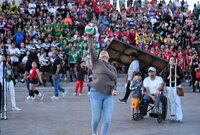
[153, 85]
[136, 88]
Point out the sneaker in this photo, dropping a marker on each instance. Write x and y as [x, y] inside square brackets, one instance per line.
[30, 98]
[16, 108]
[172, 118]
[65, 78]
[179, 121]
[154, 110]
[22, 81]
[16, 80]
[122, 100]
[74, 94]
[39, 94]
[65, 93]
[79, 94]
[55, 97]
[88, 93]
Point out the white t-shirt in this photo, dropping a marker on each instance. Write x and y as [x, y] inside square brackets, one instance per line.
[14, 51]
[31, 5]
[134, 67]
[46, 45]
[50, 54]
[24, 60]
[153, 85]
[53, 10]
[43, 60]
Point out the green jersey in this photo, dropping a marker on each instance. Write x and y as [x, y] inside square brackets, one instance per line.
[66, 49]
[57, 27]
[8, 74]
[78, 51]
[60, 42]
[85, 57]
[68, 38]
[64, 26]
[48, 27]
[27, 27]
[72, 57]
[41, 27]
[89, 13]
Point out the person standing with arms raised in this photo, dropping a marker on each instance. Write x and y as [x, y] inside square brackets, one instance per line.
[103, 88]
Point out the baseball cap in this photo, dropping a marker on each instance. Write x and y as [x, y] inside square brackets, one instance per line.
[152, 69]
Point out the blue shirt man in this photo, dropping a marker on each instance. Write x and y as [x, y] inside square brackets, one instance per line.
[105, 22]
[19, 36]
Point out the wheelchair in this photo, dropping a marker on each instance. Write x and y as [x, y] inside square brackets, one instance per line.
[146, 106]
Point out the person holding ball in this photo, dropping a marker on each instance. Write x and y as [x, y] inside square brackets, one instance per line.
[103, 86]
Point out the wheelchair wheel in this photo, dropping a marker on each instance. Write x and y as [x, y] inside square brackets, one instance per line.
[164, 107]
[137, 117]
[159, 119]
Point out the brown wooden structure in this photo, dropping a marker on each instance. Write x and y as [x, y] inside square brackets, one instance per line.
[120, 51]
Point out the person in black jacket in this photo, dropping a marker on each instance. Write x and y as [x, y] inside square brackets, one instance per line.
[81, 71]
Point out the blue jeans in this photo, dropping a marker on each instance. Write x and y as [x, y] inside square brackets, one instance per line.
[57, 85]
[101, 103]
[157, 99]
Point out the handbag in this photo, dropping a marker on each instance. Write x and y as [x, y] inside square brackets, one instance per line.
[179, 91]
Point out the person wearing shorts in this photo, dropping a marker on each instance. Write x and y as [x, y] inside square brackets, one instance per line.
[136, 87]
[44, 66]
[33, 77]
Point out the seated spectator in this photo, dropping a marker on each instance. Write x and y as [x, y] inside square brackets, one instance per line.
[153, 85]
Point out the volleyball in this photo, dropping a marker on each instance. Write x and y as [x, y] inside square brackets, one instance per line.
[91, 29]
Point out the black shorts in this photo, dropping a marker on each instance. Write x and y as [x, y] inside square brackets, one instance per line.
[44, 69]
[197, 79]
[15, 64]
[34, 81]
[72, 65]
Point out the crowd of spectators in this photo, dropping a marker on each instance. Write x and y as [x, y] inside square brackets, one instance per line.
[41, 26]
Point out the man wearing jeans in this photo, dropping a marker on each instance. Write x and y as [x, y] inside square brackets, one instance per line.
[57, 74]
[153, 85]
